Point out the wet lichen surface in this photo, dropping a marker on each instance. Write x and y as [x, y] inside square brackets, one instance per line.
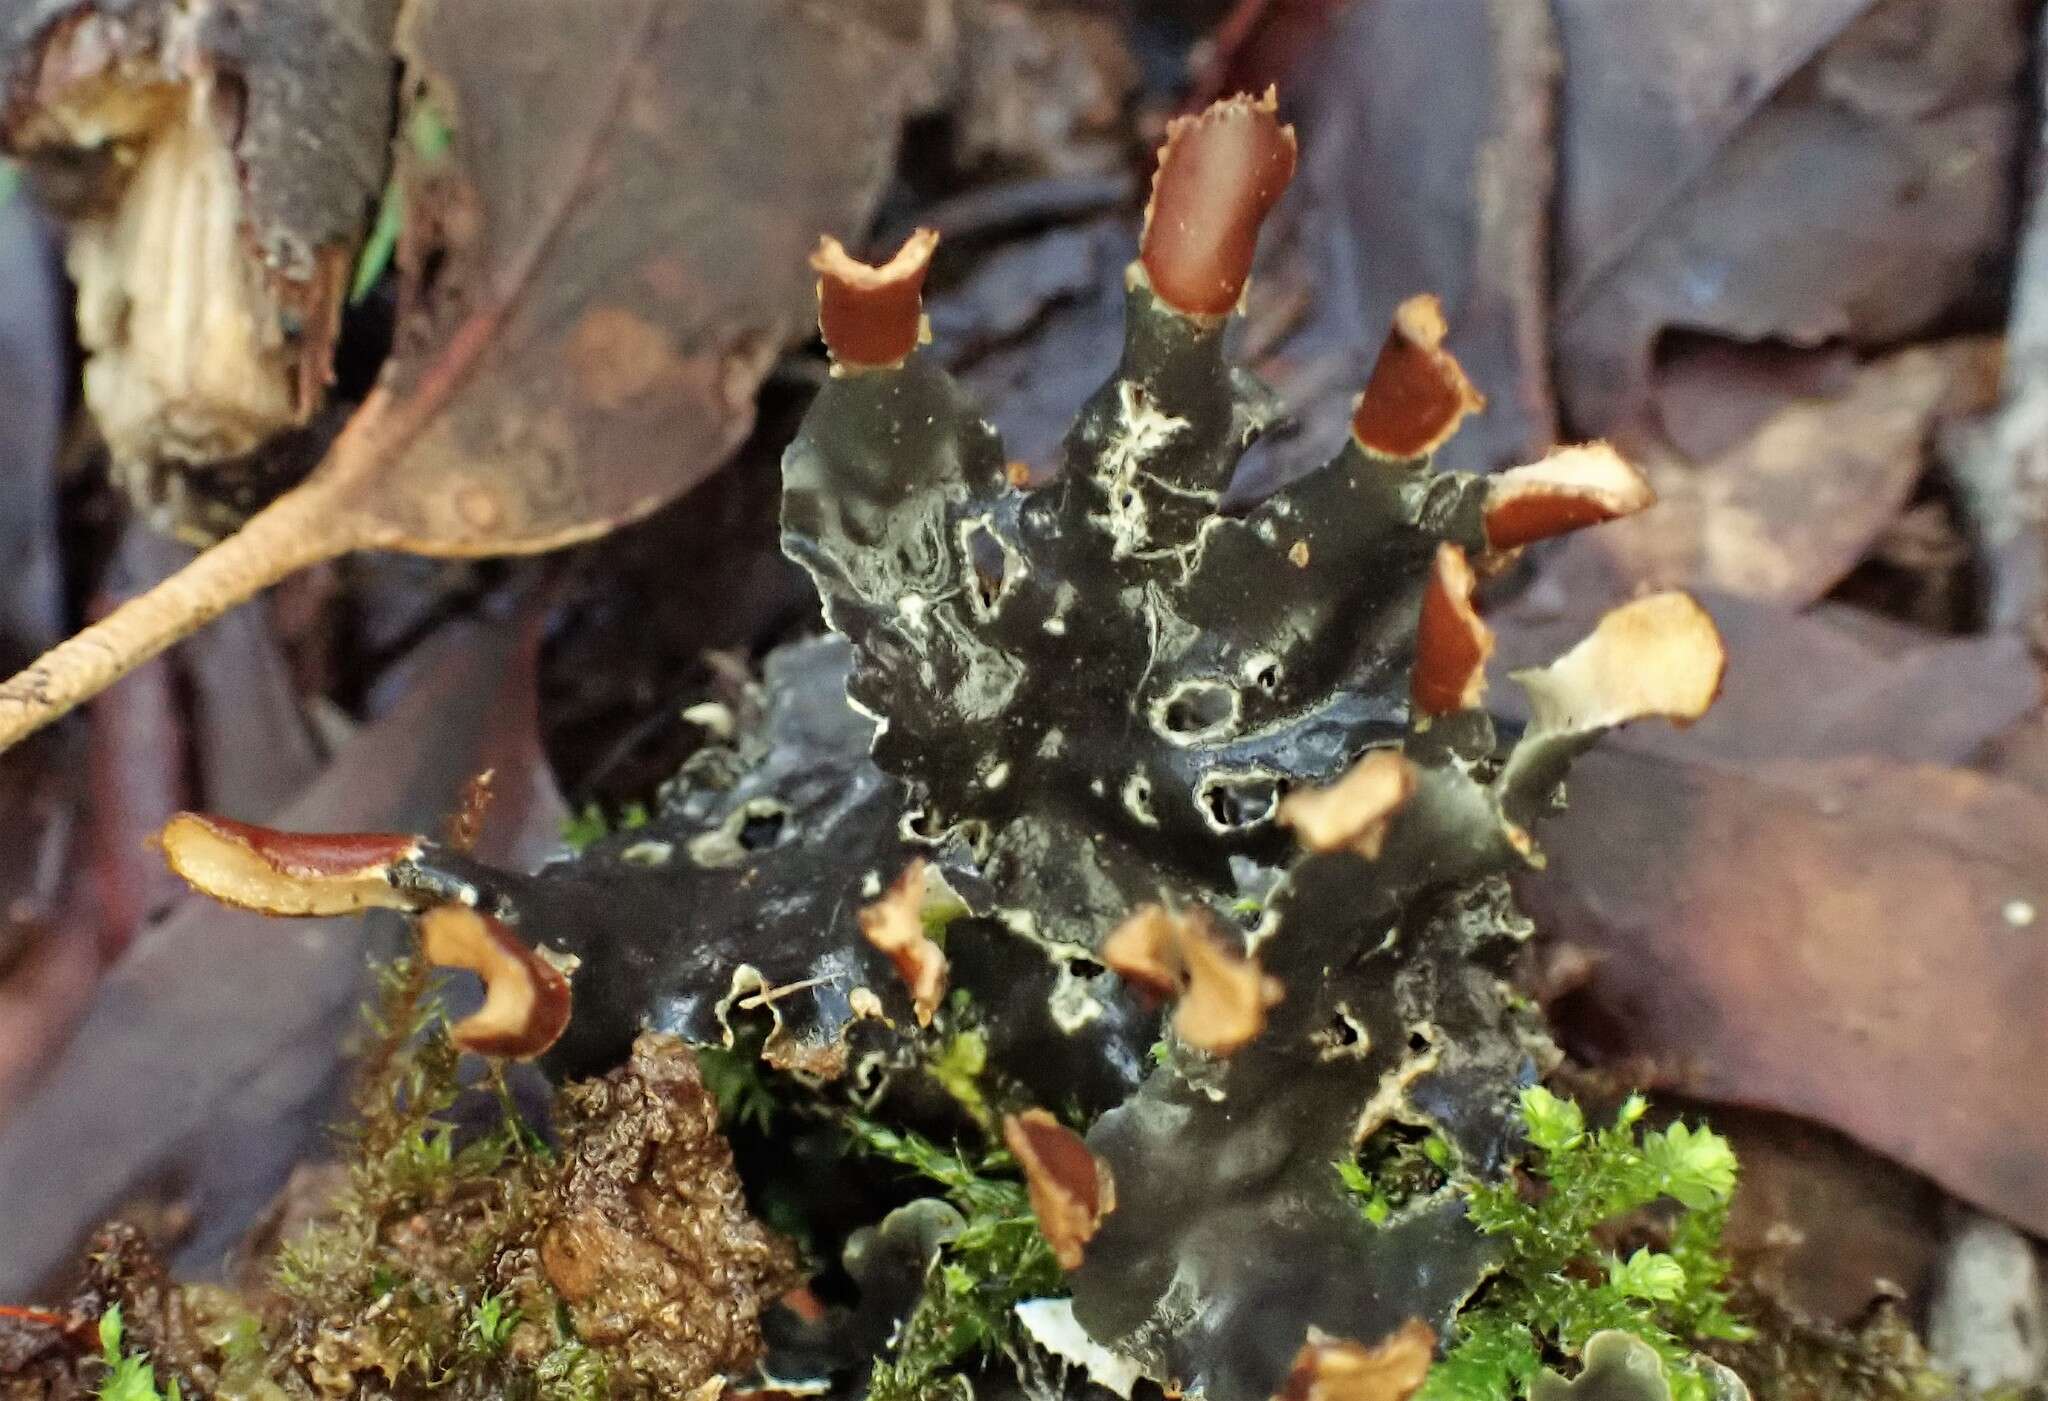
[1098, 943]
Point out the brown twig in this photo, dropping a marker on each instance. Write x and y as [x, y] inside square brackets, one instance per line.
[301, 527]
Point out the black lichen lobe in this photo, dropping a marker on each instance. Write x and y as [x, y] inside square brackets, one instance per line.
[1105, 684]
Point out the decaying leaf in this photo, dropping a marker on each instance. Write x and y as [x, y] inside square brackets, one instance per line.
[1815, 914]
[1790, 506]
[596, 277]
[1881, 133]
[1832, 1226]
[1699, 69]
[1855, 941]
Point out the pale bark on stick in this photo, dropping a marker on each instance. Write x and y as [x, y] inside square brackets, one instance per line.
[300, 528]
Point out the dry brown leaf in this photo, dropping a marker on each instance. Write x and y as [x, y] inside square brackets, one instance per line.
[1858, 942]
[1832, 1226]
[1788, 510]
[1698, 70]
[1830, 170]
[596, 279]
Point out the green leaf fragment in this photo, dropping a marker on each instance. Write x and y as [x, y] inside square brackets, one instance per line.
[431, 138]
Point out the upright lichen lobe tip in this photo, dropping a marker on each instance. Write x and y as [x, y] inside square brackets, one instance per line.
[872, 316]
[1220, 173]
[1418, 393]
[1452, 643]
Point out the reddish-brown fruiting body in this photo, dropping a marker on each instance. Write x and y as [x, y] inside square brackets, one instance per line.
[1452, 643]
[1224, 994]
[1337, 1369]
[1353, 813]
[1220, 173]
[1227, 997]
[1660, 655]
[286, 873]
[1071, 1190]
[1418, 394]
[526, 998]
[1572, 488]
[872, 317]
[895, 925]
[1143, 952]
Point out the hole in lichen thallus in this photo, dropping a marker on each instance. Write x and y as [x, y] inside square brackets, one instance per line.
[1234, 801]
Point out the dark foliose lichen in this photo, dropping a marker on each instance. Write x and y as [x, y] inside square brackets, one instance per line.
[1087, 744]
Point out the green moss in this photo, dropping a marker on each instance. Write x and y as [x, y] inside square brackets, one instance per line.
[591, 824]
[129, 1376]
[1396, 1166]
[570, 1371]
[404, 1276]
[740, 1081]
[967, 1311]
[431, 138]
[490, 1324]
[1558, 1285]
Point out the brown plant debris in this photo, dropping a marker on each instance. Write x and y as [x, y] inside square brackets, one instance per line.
[53, 1354]
[647, 1235]
[1071, 1190]
[621, 1264]
[210, 231]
